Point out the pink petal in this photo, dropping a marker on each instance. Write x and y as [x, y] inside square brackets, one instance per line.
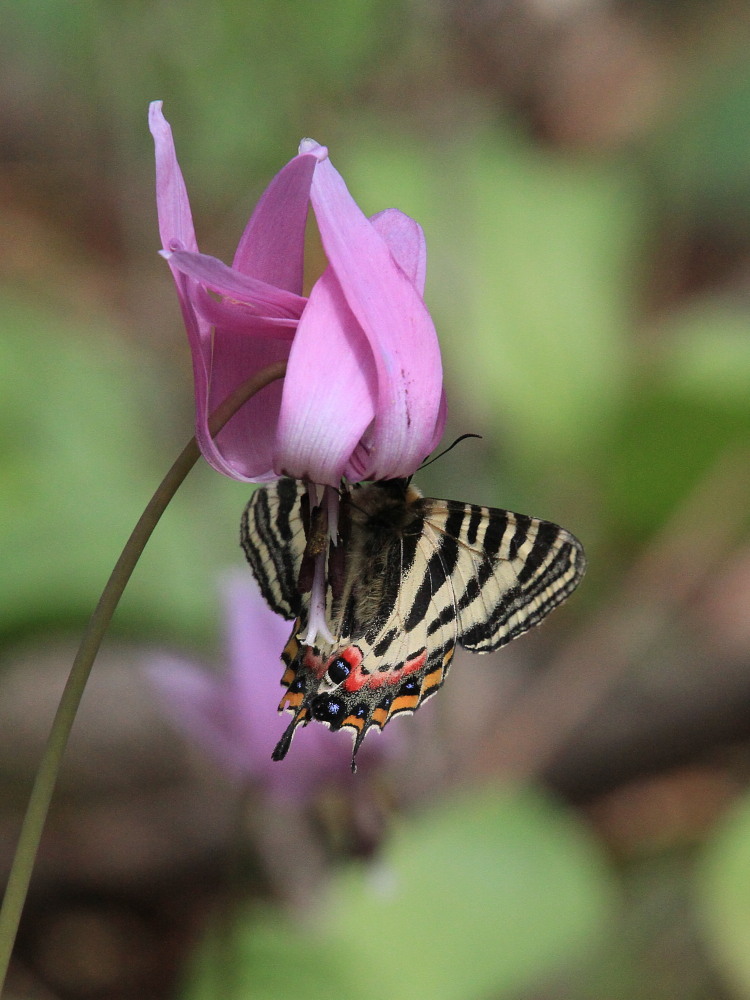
[239, 318]
[195, 702]
[244, 448]
[173, 207]
[199, 339]
[395, 321]
[439, 423]
[209, 271]
[255, 638]
[273, 243]
[177, 233]
[405, 239]
[330, 389]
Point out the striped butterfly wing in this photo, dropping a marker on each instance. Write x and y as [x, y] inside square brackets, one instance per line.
[476, 576]
[407, 644]
[504, 572]
[421, 576]
[384, 661]
[272, 536]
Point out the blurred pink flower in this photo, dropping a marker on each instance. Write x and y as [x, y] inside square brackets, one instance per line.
[362, 397]
[233, 713]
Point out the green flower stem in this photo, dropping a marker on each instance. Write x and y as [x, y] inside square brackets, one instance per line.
[46, 776]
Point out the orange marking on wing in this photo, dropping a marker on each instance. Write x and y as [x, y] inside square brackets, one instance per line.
[291, 701]
[432, 680]
[289, 675]
[354, 721]
[291, 649]
[380, 717]
[406, 703]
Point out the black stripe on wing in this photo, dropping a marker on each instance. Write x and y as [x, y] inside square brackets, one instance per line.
[273, 538]
[507, 571]
[392, 568]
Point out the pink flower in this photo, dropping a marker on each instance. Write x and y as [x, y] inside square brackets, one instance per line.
[362, 397]
[233, 713]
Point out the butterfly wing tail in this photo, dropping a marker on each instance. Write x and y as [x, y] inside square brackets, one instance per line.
[282, 747]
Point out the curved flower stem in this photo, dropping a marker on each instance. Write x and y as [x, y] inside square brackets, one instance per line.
[46, 776]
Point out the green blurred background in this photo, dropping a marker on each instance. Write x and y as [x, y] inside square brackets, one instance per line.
[582, 173]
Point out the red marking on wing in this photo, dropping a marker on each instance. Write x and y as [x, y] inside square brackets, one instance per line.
[358, 679]
[318, 667]
[312, 662]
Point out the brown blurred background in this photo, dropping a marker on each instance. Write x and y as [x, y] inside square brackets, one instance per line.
[582, 172]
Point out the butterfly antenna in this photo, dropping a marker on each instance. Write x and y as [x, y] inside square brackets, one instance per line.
[450, 447]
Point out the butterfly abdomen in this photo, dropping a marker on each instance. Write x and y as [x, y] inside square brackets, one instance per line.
[386, 524]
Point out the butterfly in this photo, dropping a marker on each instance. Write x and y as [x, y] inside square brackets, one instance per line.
[407, 580]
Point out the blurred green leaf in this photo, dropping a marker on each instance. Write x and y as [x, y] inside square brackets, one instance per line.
[708, 352]
[267, 957]
[81, 455]
[529, 277]
[482, 895]
[693, 406]
[242, 82]
[724, 897]
[666, 441]
[699, 158]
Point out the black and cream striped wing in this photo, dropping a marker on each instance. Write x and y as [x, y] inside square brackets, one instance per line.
[419, 576]
[502, 572]
[272, 535]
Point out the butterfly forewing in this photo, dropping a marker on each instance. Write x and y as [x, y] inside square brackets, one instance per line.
[507, 571]
[273, 537]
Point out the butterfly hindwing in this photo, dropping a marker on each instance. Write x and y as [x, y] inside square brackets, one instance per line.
[384, 661]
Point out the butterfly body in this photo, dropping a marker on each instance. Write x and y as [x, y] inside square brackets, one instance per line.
[408, 578]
